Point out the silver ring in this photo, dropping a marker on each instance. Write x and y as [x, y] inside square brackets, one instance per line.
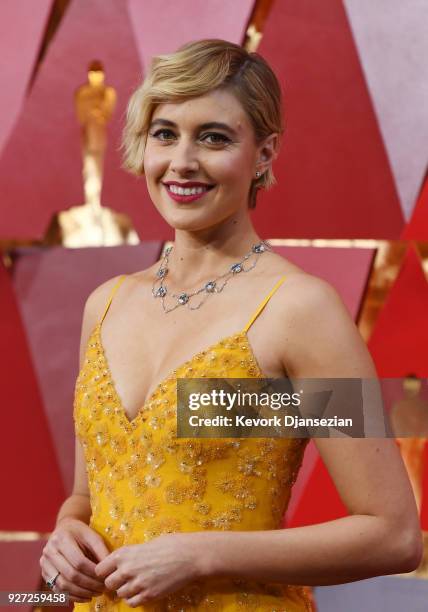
[51, 582]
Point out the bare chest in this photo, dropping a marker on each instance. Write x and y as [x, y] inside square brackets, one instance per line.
[143, 352]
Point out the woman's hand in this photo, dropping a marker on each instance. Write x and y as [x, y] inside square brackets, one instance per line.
[141, 572]
[68, 551]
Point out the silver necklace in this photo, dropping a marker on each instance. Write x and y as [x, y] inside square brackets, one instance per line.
[212, 286]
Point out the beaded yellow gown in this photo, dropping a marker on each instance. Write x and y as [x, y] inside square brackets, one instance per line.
[144, 481]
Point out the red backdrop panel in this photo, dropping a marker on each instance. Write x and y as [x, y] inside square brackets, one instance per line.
[424, 505]
[417, 228]
[208, 19]
[319, 500]
[30, 481]
[22, 25]
[393, 47]
[334, 179]
[399, 340]
[20, 569]
[334, 265]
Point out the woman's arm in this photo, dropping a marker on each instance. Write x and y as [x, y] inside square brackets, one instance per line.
[382, 534]
[73, 548]
[77, 506]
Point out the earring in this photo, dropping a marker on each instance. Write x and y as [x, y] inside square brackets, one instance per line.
[258, 174]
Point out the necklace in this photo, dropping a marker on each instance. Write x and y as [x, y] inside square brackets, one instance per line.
[212, 286]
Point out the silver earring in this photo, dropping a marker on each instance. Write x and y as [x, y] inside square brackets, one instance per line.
[258, 174]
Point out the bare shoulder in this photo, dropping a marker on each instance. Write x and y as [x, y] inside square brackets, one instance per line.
[318, 334]
[306, 294]
[98, 297]
[303, 293]
[93, 310]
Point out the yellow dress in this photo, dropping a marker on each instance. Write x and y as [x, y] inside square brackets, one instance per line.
[144, 481]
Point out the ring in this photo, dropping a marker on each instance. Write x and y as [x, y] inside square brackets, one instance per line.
[51, 582]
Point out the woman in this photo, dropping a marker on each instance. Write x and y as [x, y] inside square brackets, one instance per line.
[175, 524]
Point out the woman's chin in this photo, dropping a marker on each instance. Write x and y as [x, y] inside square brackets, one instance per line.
[193, 217]
[187, 224]
[184, 217]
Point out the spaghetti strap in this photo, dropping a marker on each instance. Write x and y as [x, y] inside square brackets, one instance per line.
[113, 291]
[263, 304]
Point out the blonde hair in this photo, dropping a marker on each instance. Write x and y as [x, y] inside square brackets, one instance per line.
[195, 69]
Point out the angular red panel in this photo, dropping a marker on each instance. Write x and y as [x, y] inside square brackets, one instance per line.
[14, 558]
[393, 47]
[21, 32]
[30, 480]
[334, 179]
[184, 21]
[319, 501]
[424, 505]
[417, 228]
[399, 340]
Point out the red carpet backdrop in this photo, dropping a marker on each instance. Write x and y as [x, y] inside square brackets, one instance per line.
[350, 206]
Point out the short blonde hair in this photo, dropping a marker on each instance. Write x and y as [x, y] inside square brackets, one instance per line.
[195, 69]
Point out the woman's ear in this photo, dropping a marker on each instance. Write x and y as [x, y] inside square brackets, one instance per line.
[268, 152]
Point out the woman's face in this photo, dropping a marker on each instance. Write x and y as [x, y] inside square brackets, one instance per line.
[182, 147]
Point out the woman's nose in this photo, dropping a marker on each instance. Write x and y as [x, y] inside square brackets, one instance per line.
[184, 157]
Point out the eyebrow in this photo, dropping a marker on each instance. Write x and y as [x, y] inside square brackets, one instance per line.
[202, 126]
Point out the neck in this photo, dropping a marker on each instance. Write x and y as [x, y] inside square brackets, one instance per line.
[198, 256]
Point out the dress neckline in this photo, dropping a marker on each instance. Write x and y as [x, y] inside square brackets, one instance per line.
[172, 375]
